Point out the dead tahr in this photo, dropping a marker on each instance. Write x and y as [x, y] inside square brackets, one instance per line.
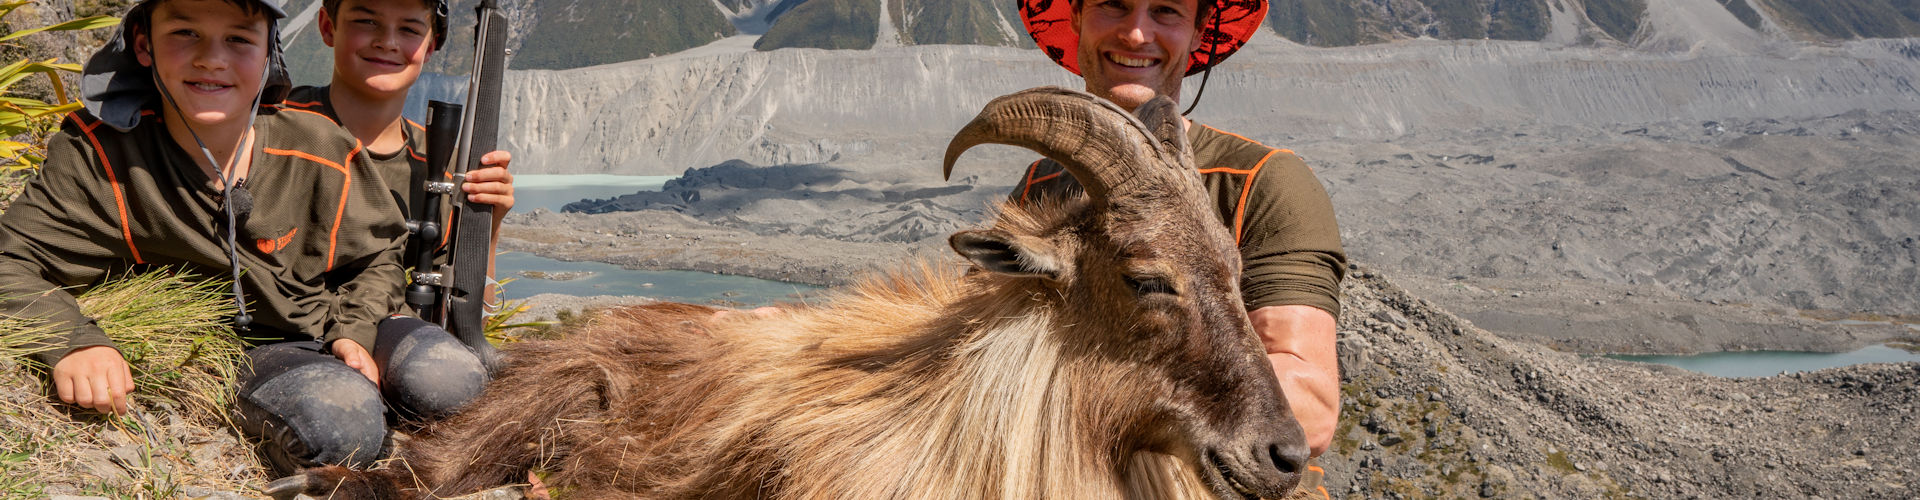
[1096, 347]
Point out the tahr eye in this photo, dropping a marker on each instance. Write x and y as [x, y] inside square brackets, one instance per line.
[1148, 285]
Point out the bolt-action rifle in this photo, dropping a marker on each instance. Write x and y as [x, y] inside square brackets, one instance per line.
[453, 295]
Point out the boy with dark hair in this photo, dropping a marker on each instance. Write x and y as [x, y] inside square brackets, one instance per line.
[379, 50]
[176, 163]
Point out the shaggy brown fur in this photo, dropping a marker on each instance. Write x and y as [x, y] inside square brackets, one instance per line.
[941, 381]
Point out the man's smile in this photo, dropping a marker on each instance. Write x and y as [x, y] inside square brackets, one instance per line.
[1132, 62]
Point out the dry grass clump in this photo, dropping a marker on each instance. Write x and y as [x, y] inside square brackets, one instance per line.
[175, 441]
[173, 329]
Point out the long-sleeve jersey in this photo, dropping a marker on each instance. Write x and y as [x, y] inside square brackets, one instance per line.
[1277, 211]
[319, 251]
[404, 167]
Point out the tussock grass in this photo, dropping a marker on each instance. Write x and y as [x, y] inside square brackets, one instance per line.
[172, 328]
[175, 442]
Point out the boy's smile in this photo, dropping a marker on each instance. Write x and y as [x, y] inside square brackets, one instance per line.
[210, 87]
[379, 47]
[208, 55]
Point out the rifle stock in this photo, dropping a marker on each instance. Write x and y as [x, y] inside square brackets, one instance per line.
[472, 230]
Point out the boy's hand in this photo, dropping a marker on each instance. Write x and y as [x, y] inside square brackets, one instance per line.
[356, 358]
[492, 185]
[94, 377]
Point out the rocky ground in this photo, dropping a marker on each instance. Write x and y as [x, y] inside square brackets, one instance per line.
[1437, 407]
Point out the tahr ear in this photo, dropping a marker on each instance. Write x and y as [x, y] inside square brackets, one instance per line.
[1162, 116]
[1001, 252]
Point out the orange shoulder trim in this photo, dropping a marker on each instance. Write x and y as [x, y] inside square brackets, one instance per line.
[314, 113]
[1027, 190]
[346, 185]
[119, 195]
[1233, 135]
[1240, 209]
[308, 156]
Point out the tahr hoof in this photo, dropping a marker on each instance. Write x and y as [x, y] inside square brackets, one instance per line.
[288, 488]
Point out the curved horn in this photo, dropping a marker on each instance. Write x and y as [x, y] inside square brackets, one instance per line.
[1103, 146]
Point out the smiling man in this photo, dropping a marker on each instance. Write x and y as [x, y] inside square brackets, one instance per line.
[1130, 51]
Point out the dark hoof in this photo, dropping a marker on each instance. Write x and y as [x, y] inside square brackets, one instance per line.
[329, 482]
[287, 488]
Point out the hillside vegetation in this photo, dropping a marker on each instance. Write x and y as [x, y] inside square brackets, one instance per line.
[1742, 11]
[825, 24]
[1334, 23]
[1619, 18]
[575, 33]
[855, 24]
[1847, 19]
[977, 22]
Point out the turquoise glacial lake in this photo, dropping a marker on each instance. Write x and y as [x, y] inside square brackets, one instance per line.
[534, 275]
[1768, 363]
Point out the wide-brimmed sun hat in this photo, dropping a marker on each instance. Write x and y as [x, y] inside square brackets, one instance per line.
[115, 87]
[1227, 28]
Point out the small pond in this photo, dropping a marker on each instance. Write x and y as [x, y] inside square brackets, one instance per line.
[1767, 363]
[534, 275]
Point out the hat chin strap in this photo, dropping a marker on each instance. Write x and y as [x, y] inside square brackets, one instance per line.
[1206, 74]
[228, 179]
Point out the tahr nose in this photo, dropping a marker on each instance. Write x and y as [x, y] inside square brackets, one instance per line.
[1289, 460]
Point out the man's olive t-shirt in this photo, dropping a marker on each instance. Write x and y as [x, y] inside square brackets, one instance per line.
[1276, 210]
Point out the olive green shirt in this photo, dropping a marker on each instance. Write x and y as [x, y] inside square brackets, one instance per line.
[400, 165]
[319, 250]
[1277, 211]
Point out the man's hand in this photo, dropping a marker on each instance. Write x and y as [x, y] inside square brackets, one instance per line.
[356, 358]
[1300, 343]
[492, 185]
[94, 377]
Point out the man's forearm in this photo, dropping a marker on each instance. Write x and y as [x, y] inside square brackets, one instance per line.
[1300, 341]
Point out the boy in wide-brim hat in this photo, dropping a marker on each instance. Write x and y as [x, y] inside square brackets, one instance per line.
[1130, 51]
[179, 161]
